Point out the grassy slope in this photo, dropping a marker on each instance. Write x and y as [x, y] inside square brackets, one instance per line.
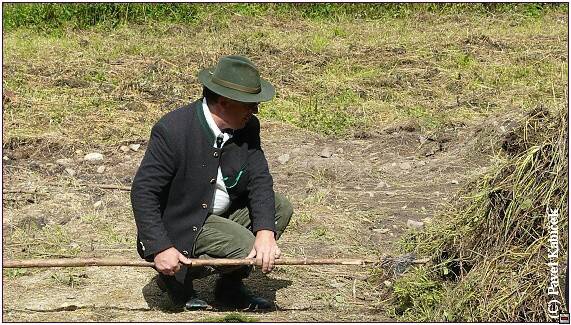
[332, 77]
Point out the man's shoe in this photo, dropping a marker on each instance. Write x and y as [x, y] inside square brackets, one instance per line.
[195, 303]
[174, 290]
[234, 293]
[179, 295]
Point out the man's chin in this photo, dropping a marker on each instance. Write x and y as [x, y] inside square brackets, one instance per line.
[243, 125]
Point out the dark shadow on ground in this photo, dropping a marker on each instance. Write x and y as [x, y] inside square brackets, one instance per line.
[259, 283]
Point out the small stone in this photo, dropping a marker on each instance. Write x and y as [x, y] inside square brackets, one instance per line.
[422, 139]
[68, 307]
[421, 163]
[388, 283]
[100, 169]
[283, 158]
[427, 220]
[134, 146]
[64, 161]
[414, 224]
[405, 165]
[5, 158]
[70, 171]
[404, 207]
[74, 245]
[391, 234]
[124, 148]
[97, 204]
[382, 184]
[395, 227]
[326, 153]
[78, 151]
[454, 181]
[381, 231]
[337, 285]
[94, 156]
[8, 96]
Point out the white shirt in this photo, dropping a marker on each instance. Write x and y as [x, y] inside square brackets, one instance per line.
[221, 198]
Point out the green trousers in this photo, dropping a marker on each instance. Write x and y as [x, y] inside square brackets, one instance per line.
[230, 236]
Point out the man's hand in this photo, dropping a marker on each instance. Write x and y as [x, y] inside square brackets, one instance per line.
[265, 250]
[167, 261]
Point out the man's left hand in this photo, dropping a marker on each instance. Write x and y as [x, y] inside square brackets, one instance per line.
[265, 250]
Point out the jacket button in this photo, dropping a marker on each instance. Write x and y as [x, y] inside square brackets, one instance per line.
[185, 253]
[216, 154]
[194, 228]
[204, 205]
[212, 181]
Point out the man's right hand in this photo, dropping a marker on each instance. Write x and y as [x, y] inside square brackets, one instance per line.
[167, 261]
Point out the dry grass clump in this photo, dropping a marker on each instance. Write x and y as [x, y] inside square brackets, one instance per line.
[491, 252]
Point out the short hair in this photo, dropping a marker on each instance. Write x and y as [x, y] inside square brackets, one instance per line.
[211, 97]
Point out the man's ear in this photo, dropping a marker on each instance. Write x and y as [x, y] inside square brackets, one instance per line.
[223, 101]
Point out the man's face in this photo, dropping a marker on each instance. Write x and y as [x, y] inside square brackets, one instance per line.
[237, 114]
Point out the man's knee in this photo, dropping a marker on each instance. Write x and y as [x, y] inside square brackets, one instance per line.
[239, 246]
[284, 211]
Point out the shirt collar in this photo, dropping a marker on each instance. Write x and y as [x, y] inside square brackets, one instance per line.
[210, 120]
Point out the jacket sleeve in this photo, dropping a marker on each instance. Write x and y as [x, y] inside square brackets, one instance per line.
[154, 175]
[260, 185]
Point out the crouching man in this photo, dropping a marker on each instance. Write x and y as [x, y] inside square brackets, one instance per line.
[204, 189]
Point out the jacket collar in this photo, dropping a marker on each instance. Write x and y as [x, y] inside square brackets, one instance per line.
[203, 123]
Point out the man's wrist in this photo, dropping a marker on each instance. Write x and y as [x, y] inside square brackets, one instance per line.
[265, 232]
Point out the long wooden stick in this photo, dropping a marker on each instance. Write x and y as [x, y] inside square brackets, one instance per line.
[78, 262]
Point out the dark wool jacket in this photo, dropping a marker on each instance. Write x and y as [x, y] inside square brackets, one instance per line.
[173, 189]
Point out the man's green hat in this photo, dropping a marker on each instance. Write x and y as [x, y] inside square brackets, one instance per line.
[237, 78]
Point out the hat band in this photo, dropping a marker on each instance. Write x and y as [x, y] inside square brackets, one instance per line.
[234, 86]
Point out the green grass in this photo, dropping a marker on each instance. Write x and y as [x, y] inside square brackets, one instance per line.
[417, 294]
[52, 17]
[71, 278]
[335, 73]
[48, 241]
[229, 318]
[15, 272]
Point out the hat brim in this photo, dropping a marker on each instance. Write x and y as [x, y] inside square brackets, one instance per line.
[266, 93]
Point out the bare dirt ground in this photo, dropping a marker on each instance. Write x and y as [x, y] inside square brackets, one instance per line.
[352, 198]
